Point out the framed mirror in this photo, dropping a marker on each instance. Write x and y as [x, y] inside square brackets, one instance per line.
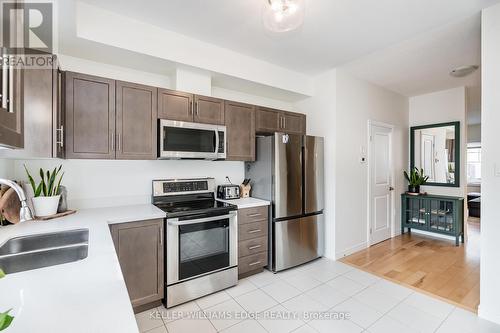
[436, 149]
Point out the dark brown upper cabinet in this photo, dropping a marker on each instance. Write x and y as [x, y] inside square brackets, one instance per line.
[208, 110]
[240, 125]
[294, 123]
[175, 105]
[90, 117]
[270, 121]
[136, 125]
[139, 246]
[11, 104]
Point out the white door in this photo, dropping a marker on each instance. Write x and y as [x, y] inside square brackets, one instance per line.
[428, 155]
[380, 210]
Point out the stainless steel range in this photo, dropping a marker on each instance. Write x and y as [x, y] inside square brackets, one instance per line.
[201, 239]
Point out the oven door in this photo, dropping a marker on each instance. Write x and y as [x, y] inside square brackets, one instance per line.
[183, 140]
[200, 246]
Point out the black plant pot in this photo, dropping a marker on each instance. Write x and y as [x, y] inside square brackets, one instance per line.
[414, 189]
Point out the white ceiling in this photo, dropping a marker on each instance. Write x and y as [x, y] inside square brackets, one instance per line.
[335, 32]
[422, 64]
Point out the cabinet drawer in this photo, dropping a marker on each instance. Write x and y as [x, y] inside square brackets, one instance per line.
[252, 246]
[252, 230]
[252, 262]
[254, 214]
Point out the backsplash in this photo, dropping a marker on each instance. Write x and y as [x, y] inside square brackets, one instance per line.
[101, 183]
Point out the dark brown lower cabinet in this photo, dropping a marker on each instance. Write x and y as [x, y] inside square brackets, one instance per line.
[240, 125]
[253, 224]
[139, 246]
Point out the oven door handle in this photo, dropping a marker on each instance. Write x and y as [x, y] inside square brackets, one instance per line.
[176, 221]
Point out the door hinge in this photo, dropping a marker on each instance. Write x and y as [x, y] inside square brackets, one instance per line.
[371, 138]
[370, 230]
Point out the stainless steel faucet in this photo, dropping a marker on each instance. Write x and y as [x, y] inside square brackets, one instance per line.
[25, 214]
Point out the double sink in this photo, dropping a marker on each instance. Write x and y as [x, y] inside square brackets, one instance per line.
[30, 252]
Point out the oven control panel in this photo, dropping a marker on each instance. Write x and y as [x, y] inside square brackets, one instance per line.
[183, 186]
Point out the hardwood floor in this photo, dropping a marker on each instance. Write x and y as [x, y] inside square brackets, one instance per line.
[433, 266]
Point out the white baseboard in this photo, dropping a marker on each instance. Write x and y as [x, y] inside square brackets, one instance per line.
[350, 250]
[488, 315]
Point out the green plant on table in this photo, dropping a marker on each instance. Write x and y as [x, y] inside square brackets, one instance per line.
[416, 177]
[49, 184]
[5, 318]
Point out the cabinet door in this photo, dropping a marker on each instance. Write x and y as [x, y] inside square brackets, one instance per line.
[11, 104]
[136, 118]
[267, 120]
[208, 110]
[240, 126]
[139, 246]
[293, 123]
[175, 105]
[90, 117]
[441, 215]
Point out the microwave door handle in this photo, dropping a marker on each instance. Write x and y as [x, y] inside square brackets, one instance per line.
[176, 221]
[216, 143]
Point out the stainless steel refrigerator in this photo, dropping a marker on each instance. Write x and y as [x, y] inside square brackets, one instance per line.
[289, 172]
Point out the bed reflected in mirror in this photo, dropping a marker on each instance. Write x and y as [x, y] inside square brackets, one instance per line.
[436, 149]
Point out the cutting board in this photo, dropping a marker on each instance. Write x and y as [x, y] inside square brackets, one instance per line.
[10, 206]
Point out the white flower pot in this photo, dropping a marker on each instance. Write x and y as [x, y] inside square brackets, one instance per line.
[46, 206]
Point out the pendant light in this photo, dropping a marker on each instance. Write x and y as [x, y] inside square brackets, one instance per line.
[283, 15]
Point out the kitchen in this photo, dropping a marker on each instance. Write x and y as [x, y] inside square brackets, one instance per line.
[199, 183]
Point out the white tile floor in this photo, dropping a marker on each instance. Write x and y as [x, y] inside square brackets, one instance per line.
[290, 301]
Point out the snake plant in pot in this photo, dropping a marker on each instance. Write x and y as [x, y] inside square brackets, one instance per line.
[47, 192]
[415, 179]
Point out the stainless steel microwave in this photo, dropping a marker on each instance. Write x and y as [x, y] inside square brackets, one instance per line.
[184, 140]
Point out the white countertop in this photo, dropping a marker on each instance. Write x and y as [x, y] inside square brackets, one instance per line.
[84, 296]
[247, 202]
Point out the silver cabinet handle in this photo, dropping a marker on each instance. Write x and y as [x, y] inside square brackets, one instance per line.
[10, 97]
[118, 142]
[254, 215]
[284, 122]
[161, 235]
[5, 83]
[197, 108]
[254, 247]
[112, 140]
[191, 107]
[254, 263]
[61, 136]
[254, 231]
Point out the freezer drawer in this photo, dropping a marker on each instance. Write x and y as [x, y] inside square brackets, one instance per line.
[297, 241]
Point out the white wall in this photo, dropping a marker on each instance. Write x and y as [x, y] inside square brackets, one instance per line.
[474, 133]
[358, 102]
[441, 107]
[101, 183]
[6, 168]
[340, 112]
[490, 168]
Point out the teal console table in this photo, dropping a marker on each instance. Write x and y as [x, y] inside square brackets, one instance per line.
[433, 213]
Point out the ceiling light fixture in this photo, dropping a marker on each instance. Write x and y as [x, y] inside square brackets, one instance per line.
[283, 15]
[463, 71]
